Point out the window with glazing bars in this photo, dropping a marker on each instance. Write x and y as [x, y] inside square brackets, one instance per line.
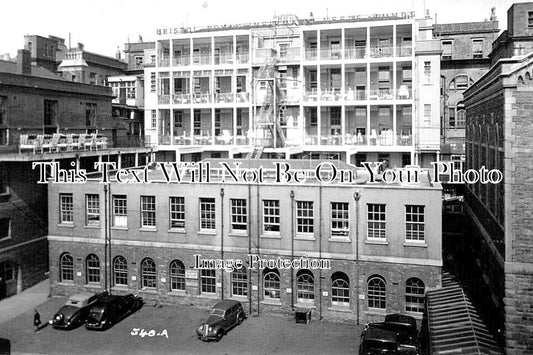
[148, 211]
[239, 282]
[304, 217]
[271, 217]
[207, 213]
[66, 208]
[177, 212]
[92, 209]
[376, 221]
[414, 222]
[339, 219]
[208, 281]
[239, 218]
[120, 211]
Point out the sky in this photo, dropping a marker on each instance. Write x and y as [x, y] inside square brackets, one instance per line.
[102, 25]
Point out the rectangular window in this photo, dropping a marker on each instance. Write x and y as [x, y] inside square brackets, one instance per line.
[139, 62]
[66, 208]
[5, 228]
[50, 112]
[477, 48]
[3, 105]
[152, 82]
[427, 114]
[154, 119]
[414, 223]
[447, 50]
[177, 212]
[427, 72]
[335, 116]
[271, 216]
[313, 120]
[530, 19]
[208, 281]
[148, 211]
[120, 211]
[451, 119]
[340, 222]
[239, 283]
[207, 213]
[304, 217]
[197, 122]
[460, 121]
[92, 210]
[90, 115]
[239, 217]
[217, 122]
[376, 221]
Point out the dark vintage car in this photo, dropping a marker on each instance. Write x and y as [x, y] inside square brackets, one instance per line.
[378, 341]
[110, 309]
[75, 311]
[404, 327]
[224, 316]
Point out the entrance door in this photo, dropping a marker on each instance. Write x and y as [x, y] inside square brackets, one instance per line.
[9, 275]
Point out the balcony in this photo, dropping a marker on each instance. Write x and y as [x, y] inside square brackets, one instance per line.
[181, 61]
[201, 59]
[263, 55]
[224, 97]
[292, 54]
[331, 94]
[163, 99]
[355, 95]
[331, 139]
[243, 58]
[164, 62]
[242, 97]
[311, 95]
[355, 53]
[311, 54]
[330, 54]
[381, 94]
[202, 98]
[404, 93]
[180, 99]
[223, 59]
[355, 139]
[404, 51]
[381, 52]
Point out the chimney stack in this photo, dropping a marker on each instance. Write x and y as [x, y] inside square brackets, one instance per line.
[117, 54]
[23, 62]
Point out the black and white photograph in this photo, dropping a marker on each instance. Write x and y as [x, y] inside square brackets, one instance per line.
[247, 177]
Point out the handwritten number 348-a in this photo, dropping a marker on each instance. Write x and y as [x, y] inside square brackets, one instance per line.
[150, 333]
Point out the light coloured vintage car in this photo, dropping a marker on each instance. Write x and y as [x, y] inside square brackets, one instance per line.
[75, 311]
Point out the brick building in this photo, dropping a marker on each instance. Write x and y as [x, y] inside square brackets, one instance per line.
[383, 241]
[499, 136]
[43, 118]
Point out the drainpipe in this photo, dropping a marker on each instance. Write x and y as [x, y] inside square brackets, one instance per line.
[105, 237]
[249, 229]
[109, 224]
[222, 237]
[320, 250]
[259, 283]
[292, 248]
[357, 197]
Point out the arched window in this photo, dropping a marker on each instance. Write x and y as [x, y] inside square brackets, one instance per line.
[208, 278]
[377, 292]
[271, 284]
[120, 271]
[177, 276]
[66, 267]
[305, 286]
[414, 295]
[340, 289]
[239, 282]
[93, 269]
[461, 118]
[148, 273]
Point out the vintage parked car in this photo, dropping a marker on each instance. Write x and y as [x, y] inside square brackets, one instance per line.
[224, 316]
[378, 341]
[404, 327]
[75, 311]
[111, 309]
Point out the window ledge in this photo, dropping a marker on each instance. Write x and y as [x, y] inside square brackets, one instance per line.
[66, 225]
[152, 291]
[271, 302]
[378, 311]
[340, 240]
[305, 236]
[211, 296]
[376, 241]
[65, 283]
[92, 227]
[177, 230]
[95, 286]
[177, 293]
[414, 244]
[119, 228]
[147, 229]
[237, 234]
[340, 309]
[270, 235]
[120, 288]
[207, 232]
[240, 298]
[306, 305]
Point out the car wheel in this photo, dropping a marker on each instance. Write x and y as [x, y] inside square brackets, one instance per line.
[220, 335]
